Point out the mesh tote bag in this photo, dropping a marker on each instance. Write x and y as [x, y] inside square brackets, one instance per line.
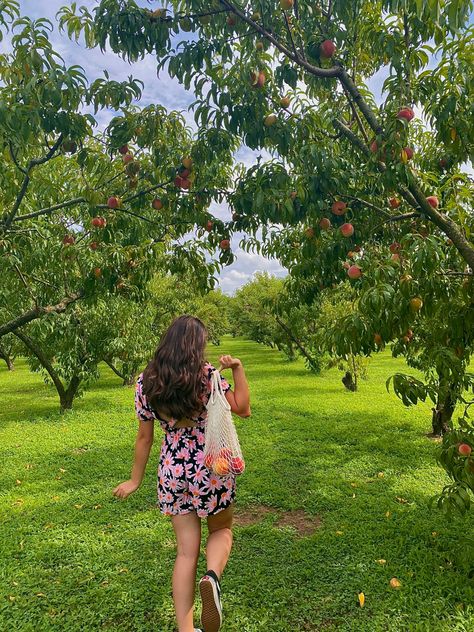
[222, 453]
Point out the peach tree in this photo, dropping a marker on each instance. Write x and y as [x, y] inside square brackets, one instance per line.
[409, 300]
[87, 212]
[67, 348]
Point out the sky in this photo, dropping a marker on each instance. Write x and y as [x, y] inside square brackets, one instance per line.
[169, 93]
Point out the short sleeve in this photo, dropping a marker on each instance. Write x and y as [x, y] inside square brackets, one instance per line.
[226, 386]
[143, 410]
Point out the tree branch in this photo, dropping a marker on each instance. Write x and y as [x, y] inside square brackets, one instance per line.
[40, 161]
[453, 273]
[351, 87]
[353, 138]
[33, 163]
[291, 35]
[356, 114]
[51, 209]
[366, 203]
[399, 218]
[14, 158]
[38, 312]
[290, 335]
[442, 221]
[406, 29]
[23, 280]
[114, 369]
[162, 185]
[408, 197]
[327, 73]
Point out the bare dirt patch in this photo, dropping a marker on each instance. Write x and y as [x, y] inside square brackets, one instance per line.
[303, 523]
[252, 515]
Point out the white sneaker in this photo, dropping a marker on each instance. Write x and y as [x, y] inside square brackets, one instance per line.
[211, 616]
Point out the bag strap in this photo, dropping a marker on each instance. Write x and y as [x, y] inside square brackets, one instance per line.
[216, 386]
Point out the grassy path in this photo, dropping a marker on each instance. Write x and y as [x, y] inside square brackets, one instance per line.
[75, 559]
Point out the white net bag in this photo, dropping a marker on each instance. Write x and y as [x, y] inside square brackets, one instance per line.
[222, 453]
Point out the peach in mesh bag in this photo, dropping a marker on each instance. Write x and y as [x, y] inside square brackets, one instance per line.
[222, 452]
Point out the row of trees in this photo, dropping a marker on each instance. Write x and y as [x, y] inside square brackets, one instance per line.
[265, 310]
[352, 189]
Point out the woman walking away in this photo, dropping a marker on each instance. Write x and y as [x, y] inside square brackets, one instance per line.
[174, 389]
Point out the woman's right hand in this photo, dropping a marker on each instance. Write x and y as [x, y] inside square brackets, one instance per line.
[126, 488]
[228, 362]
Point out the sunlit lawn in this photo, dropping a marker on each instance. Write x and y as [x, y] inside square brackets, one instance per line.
[75, 559]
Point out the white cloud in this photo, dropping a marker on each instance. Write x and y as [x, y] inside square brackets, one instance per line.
[247, 265]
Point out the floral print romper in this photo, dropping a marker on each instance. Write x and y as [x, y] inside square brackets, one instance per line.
[184, 483]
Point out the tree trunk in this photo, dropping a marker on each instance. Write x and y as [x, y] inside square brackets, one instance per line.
[67, 398]
[349, 382]
[8, 359]
[354, 372]
[295, 340]
[130, 380]
[442, 414]
[112, 366]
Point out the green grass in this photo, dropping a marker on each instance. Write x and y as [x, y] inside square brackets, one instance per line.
[76, 559]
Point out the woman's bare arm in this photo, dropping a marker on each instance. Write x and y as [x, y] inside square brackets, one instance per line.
[143, 444]
[239, 398]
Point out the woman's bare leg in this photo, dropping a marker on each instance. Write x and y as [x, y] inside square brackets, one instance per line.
[187, 528]
[219, 541]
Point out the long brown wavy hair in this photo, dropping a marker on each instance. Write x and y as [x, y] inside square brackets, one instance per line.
[173, 379]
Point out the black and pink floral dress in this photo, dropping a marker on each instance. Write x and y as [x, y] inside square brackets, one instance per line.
[184, 483]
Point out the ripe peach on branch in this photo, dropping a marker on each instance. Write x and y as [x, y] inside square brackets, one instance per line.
[257, 79]
[224, 244]
[347, 230]
[339, 208]
[327, 49]
[433, 201]
[100, 222]
[406, 114]
[354, 272]
[68, 240]
[324, 223]
[464, 449]
[394, 202]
